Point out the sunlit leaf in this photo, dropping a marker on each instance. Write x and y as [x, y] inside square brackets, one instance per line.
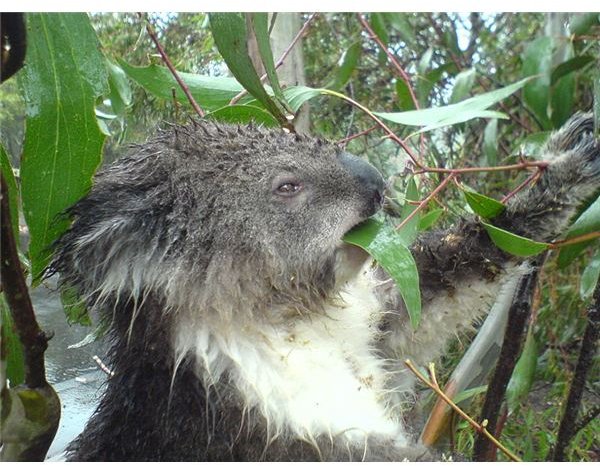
[386, 246]
[297, 95]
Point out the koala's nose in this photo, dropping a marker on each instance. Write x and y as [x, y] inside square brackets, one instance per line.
[369, 178]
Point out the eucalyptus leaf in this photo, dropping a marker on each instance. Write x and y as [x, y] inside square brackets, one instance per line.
[409, 231]
[348, 64]
[587, 222]
[260, 23]
[490, 142]
[463, 85]
[230, 34]
[243, 114]
[64, 74]
[522, 377]
[483, 206]
[514, 244]
[387, 247]
[429, 219]
[589, 277]
[537, 61]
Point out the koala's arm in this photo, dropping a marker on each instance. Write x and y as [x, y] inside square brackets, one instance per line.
[461, 271]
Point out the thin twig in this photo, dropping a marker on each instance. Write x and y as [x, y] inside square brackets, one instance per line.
[575, 240]
[530, 180]
[425, 201]
[284, 55]
[393, 59]
[31, 336]
[478, 427]
[172, 69]
[357, 135]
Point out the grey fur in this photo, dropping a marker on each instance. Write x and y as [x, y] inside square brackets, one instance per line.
[190, 226]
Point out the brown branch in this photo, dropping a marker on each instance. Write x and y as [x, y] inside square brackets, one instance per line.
[513, 340]
[393, 60]
[284, 55]
[530, 180]
[575, 240]
[172, 69]
[33, 339]
[584, 362]
[481, 428]
[357, 135]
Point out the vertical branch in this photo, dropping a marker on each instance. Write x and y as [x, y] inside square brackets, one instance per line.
[33, 339]
[511, 346]
[567, 428]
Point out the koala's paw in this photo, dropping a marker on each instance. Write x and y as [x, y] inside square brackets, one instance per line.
[574, 154]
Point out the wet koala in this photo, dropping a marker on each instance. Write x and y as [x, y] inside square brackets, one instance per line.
[243, 328]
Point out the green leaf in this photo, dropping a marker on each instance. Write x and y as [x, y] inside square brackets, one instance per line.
[474, 107]
[463, 85]
[243, 114]
[427, 81]
[587, 222]
[74, 307]
[120, 90]
[13, 191]
[260, 23]
[400, 22]
[522, 378]
[379, 27]
[405, 101]
[532, 144]
[230, 35]
[537, 61]
[409, 231]
[589, 277]
[297, 95]
[569, 66]
[429, 219]
[211, 93]
[514, 244]
[348, 63]
[12, 350]
[386, 246]
[483, 206]
[64, 74]
[581, 23]
[469, 393]
[490, 142]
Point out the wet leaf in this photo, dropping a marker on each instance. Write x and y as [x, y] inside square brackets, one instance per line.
[64, 74]
[386, 246]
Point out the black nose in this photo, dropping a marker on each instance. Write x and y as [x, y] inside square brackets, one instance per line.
[369, 178]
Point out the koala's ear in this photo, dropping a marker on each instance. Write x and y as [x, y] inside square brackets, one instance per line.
[571, 133]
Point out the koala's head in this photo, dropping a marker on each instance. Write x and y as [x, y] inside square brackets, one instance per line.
[221, 214]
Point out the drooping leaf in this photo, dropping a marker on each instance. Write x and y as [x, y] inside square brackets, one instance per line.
[429, 219]
[569, 66]
[490, 142]
[522, 377]
[347, 66]
[474, 107]
[13, 191]
[581, 23]
[120, 90]
[409, 231]
[260, 23]
[400, 22]
[463, 85]
[11, 348]
[537, 61]
[230, 34]
[384, 244]
[64, 74]
[589, 277]
[483, 206]
[587, 222]
[297, 95]
[514, 244]
[243, 114]
[211, 93]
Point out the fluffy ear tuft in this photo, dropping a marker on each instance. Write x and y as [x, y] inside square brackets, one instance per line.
[580, 126]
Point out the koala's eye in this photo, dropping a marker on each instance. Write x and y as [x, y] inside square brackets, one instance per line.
[288, 189]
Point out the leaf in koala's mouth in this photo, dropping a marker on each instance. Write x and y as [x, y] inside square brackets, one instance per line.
[387, 247]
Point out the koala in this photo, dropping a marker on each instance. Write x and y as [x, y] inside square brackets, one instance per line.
[243, 328]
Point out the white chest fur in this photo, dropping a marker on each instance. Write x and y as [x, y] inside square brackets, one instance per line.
[320, 375]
